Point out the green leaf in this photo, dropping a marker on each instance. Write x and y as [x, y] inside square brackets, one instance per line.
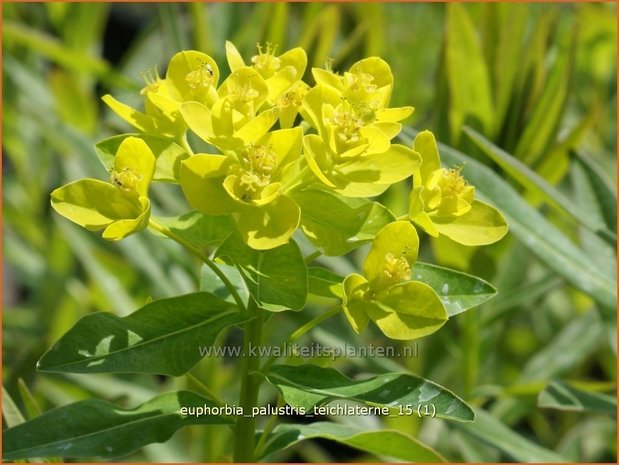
[198, 229]
[210, 282]
[324, 282]
[511, 27]
[31, 406]
[481, 225]
[336, 224]
[544, 239]
[76, 106]
[492, 431]
[547, 110]
[95, 428]
[169, 155]
[605, 190]
[573, 344]
[601, 247]
[162, 337]
[467, 73]
[458, 291]
[276, 278]
[383, 443]
[10, 412]
[562, 396]
[309, 385]
[535, 184]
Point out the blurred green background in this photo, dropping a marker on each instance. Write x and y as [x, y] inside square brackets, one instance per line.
[535, 80]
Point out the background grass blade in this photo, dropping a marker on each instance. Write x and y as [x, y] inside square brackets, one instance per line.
[562, 396]
[493, 432]
[534, 183]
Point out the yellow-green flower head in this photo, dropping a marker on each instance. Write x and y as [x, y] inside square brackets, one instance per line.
[442, 202]
[246, 90]
[191, 76]
[248, 183]
[401, 308]
[290, 102]
[120, 207]
[446, 193]
[279, 71]
[265, 62]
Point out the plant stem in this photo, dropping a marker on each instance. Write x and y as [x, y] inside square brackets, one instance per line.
[202, 256]
[185, 144]
[268, 428]
[208, 391]
[313, 256]
[244, 437]
[300, 332]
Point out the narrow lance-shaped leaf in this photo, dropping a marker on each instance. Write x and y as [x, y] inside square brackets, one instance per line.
[95, 428]
[163, 337]
[490, 430]
[467, 73]
[383, 443]
[605, 191]
[309, 385]
[562, 396]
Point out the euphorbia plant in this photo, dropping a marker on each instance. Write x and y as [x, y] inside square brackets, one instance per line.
[283, 162]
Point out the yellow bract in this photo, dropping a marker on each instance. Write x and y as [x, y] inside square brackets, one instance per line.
[442, 202]
[120, 207]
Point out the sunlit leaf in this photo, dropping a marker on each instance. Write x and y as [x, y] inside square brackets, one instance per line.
[309, 386]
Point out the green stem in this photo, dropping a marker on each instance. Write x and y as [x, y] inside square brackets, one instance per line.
[268, 428]
[202, 256]
[244, 437]
[313, 256]
[185, 144]
[208, 391]
[300, 332]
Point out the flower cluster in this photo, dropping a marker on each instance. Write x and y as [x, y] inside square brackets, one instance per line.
[272, 146]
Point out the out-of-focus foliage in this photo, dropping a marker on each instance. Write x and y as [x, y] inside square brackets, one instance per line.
[535, 84]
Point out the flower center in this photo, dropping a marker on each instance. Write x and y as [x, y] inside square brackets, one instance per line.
[202, 77]
[451, 182]
[396, 269]
[359, 83]
[152, 80]
[293, 97]
[266, 62]
[347, 123]
[126, 179]
[257, 165]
